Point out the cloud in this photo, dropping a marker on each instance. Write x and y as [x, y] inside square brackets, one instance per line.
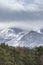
[39, 4]
[38, 1]
[11, 4]
[21, 10]
[9, 15]
[25, 5]
[23, 25]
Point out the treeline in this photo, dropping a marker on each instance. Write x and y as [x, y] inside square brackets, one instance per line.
[20, 56]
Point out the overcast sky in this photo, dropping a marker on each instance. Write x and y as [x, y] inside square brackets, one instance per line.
[29, 13]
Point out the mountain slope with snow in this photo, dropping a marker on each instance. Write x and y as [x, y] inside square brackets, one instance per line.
[32, 39]
[18, 37]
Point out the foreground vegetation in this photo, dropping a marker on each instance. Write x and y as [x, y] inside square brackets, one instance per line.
[20, 56]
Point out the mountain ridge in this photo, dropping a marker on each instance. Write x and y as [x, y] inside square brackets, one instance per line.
[19, 37]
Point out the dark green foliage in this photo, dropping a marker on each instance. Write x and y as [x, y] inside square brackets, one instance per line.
[20, 56]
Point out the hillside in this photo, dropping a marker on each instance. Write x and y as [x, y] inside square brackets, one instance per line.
[20, 56]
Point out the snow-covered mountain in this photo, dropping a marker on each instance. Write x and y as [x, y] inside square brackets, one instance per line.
[32, 39]
[18, 37]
